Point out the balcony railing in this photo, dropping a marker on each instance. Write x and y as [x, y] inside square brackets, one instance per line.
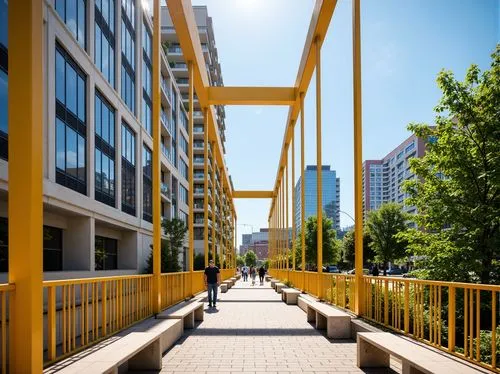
[164, 189]
[198, 176]
[174, 49]
[198, 160]
[198, 129]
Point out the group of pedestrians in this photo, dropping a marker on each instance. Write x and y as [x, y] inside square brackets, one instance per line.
[253, 271]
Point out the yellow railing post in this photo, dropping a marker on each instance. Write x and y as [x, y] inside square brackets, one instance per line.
[25, 209]
[302, 190]
[451, 318]
[51, 323]
[407, 307]
[156, 159]
[319, 171]
[358, 189]
[214, 217]
[287, 223]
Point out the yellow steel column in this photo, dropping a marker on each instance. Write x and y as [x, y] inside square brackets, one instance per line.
[319, 171]
[214, 217]
[205, 190]
[283, 213]
[293, 200]
[286, 233]
[358, 189]
[156, 160]
[191, 177]
[25, 105]
[221, 262]
[302, 190]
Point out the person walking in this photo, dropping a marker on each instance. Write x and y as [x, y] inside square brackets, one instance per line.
[253, 274]
[212, 281]
[262, 272]
[375, 271]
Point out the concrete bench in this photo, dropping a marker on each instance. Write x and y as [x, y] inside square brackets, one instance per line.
[189, 314]
[336, 322]
[273, 282]
[375, 349]
[268, 278]
[279, 286]
[228, 283]
[223, 288]
[290, 295]
[140, 346]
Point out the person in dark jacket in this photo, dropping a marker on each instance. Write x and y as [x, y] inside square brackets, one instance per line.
[262, 272]
[375, 271]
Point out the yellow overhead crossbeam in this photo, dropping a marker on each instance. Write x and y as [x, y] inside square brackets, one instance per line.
[253, 194]
[251, 95]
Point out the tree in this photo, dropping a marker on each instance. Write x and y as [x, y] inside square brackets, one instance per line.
[331, 245]
[348, 248]
[250, 258]
[199, 261]
[175, 232]
[457, 191]
[383, 225]
[240, 261]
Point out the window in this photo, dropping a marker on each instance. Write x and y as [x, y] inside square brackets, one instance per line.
[106, 253]
[3, 81]
[128, 170]
[183, 144]
[147, 185]
[71, 128]
[183, 169]
[183, 194]
[105, 38]
[183, 217]
[73, 14]
[128, 54]
[104, 151]
[184, 121]
[52, 247]
[410, 147]
[146, 80]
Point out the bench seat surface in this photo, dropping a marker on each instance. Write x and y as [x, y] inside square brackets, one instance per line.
[327, 310]
[184, 311]
[421, 357]
[291, 291]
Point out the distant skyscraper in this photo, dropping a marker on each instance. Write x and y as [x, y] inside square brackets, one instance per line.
[382, 179]
[331, 195]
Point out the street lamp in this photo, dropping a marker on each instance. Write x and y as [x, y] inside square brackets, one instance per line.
[348, 215]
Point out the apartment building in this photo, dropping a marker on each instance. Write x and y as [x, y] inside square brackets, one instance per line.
[383, 179]
[330, 195]
[220, 224]
[97, 177]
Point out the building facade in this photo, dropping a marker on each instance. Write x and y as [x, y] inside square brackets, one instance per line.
[220, 223]
[97, 158]
[257, 242]
[382, 179]
[330, 196]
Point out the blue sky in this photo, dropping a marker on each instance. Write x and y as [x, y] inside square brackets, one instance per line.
[404, 46]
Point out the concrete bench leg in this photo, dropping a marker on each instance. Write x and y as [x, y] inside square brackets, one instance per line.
[321, 322]
[147, 359]
[198, 314]
[292, 299]
[339, 328]
[370, 356]
[189, 321]
[311, 315]
[408, 369]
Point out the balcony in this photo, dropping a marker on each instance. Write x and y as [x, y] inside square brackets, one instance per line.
[199, 176]
[198, 160]
[174, 49]
[165, 190]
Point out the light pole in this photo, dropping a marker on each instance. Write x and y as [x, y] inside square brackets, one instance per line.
[348, 215]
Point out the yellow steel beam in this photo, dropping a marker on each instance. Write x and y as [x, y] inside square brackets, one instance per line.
[319, 171]
[214, 217]
[156, 159]
[318, 27]
[252, 194]
[293, 201]
[302, 190]
[25, 105]
[251, 95]
[191, 172]
[205, 187]
[182, 15]
[358, 189]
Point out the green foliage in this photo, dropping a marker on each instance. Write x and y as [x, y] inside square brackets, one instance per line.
[383, 225]
[250, 258]
[240, 261]
[457, 190]
[288, 283]
[348, 248]
[199, 262]
[175, 231]
[331, 245]
[266, 264]
[485, 339]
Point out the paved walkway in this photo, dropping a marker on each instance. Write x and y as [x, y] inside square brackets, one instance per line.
[253, 331]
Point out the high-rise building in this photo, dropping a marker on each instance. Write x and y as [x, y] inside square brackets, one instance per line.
[180, 71]
[98, 142]
[330, 196]
[382, 179]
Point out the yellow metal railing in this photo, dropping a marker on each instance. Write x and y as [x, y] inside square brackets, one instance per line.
[175, 287]
[227, 273]
[5, 292]
[80, 312]
[460, 318]
[198, 281]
